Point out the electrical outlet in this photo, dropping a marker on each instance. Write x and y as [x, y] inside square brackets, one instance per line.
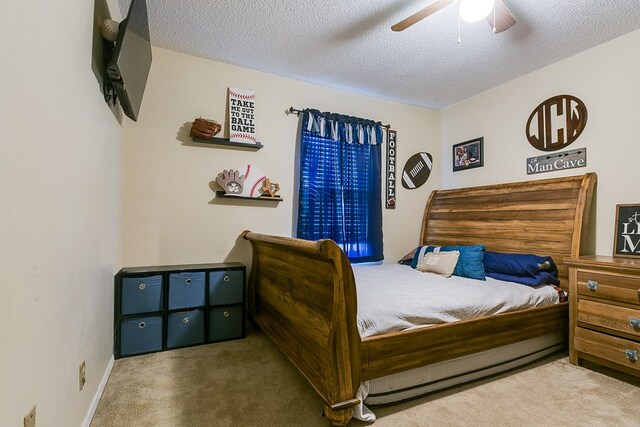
[30, 418]
[82, 378]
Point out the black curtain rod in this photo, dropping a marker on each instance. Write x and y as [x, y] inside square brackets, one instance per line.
[297, 112]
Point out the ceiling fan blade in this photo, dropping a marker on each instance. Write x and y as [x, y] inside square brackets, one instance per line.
[419, 16]
[504, 18]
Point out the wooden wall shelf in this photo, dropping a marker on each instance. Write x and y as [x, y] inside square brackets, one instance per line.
[224, 142]
[223, 195]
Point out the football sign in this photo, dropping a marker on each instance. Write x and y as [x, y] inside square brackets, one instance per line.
[391, 169]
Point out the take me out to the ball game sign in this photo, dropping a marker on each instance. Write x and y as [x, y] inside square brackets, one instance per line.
[242, 104]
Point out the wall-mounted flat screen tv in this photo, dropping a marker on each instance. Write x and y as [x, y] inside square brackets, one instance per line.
[129, 66]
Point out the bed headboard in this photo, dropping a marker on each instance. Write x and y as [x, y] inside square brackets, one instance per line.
[545, 217]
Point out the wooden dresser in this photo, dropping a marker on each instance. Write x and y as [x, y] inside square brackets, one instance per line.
[604, 312]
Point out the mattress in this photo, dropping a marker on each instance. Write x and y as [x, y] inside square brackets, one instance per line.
[394, 297]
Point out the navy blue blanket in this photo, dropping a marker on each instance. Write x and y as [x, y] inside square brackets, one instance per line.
[527, 269]
[542, 278]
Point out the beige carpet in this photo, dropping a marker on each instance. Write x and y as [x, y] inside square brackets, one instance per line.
[249, 383]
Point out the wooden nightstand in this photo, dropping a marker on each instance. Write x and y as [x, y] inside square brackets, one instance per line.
[604, 312]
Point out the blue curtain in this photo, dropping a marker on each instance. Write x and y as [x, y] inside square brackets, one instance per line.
[340, 183]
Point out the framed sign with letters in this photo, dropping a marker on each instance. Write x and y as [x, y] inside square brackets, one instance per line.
[242, 115]
[391, 169]
[626, 242]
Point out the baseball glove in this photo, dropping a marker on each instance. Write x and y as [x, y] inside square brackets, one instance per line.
[204, 128]
[231, 181]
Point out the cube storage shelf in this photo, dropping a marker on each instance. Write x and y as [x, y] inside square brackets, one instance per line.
[173, 306]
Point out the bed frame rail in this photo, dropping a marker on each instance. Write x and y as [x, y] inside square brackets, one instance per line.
[388, 354]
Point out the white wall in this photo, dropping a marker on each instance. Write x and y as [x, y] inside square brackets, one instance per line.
[60, 209]
[607, 79]
[169, 213]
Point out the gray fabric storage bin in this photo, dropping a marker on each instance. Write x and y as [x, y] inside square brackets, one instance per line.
[141, 335]
[185, 328]
[225, 323]
[186, 290]
[141, 294]
[226, 287]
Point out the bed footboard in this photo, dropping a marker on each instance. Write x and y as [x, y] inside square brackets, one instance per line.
[302, 295]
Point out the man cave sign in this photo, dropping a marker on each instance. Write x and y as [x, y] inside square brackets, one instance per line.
[556, 123]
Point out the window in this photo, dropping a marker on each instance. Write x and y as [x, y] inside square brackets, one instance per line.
[340, 184]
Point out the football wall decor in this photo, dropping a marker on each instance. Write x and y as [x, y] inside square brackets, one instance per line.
[391, 169]
[417, 170]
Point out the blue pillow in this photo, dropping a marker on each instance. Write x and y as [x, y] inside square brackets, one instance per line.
[470, 263]
[518, 264]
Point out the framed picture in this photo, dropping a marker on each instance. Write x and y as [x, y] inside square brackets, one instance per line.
[626, 241]
[468, 154]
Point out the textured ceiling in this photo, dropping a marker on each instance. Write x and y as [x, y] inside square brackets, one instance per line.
[349, 44]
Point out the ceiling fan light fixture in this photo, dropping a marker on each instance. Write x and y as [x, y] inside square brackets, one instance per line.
[475, 10]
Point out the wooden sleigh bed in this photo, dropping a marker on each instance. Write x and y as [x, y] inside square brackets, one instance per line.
[302, 294]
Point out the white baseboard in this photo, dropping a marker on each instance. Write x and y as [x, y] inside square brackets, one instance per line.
[98, 395]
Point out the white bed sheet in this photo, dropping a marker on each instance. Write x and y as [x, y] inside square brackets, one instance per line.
[395, 297]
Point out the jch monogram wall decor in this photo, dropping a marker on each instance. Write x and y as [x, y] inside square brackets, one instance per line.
[556, 123]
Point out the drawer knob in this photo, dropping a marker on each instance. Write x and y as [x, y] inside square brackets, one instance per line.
[635, 323]
[226, 278]
[142, 286]
[188, 281]
[226, 314]
[592, 285]
[185, 320]
[632, 355]
[141, 325]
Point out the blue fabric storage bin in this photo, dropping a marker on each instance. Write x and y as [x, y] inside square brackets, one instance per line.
[225, 323]
[186, 290]
[140, 335]
[141, 294]
[226, 287]
[185, 328]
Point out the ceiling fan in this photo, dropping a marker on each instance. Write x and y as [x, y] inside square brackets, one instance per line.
[470, 10]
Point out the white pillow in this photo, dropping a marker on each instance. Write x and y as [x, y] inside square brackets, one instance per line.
[442, 263]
